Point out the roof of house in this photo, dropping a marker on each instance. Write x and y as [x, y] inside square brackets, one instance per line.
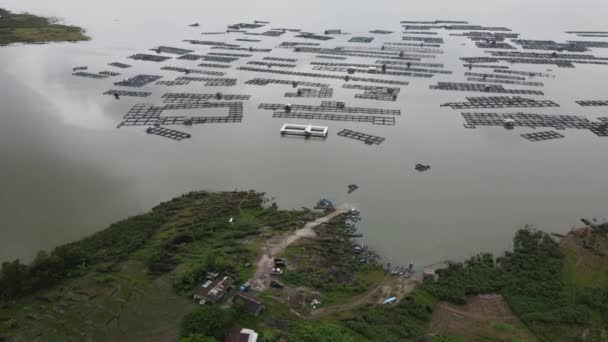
[242, 335]
[212, 291]
[250, 305]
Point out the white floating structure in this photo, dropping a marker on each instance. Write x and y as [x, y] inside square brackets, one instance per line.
[305, 130]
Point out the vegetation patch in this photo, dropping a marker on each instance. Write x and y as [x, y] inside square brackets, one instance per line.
[530, 280]
[28, 28]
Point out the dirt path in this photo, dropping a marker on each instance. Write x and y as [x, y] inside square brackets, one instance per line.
[261, 278]
[389, 286]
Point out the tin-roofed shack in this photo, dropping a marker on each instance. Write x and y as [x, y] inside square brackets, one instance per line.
[213, 289]
[249, 304]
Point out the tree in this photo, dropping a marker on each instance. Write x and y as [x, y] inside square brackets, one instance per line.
[198, 338]
[321, 332]
[12, 278]
[208, 320]
[268, 335]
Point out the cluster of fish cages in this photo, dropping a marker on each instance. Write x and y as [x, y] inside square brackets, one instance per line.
[318, 75]
[375, 120]
[176, 98]
[280, 59]
[172, 83]
[171, 50]
[321, 92]
[230, 54]
[505, 81]
[188, 71]
[495, 67]
[293, 83]
[373, 71]
[486, 88]
[364, 137]
[250, 49]
[383, 66]
[272, 64]
[380, 32]
[330, 57]
[485, 75]
[118, 93]
[220, 59]
[190, 57]
[138, 81]
[500, 102]
[209, 82]
[374, 92]
[248, 40]
[425, 40]
[330, 106]
[361, 40]
[119, 65]
[149, 58]
[333, 111]
[524, 73]
[390, 61]
[527, 120]
[314, 36]
[542, 136]
[592, 103]
[212, 65]
[90, 75]
[167, 133]
[109, 73]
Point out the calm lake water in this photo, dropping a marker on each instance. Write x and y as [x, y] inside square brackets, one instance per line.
[67, 171]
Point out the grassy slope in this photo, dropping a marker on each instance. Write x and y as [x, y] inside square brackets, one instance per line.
[122, 300]
[28, 28]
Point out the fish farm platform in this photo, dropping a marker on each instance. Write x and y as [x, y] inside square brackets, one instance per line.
[366, 138]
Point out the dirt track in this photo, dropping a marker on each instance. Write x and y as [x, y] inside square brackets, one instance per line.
[261, 278]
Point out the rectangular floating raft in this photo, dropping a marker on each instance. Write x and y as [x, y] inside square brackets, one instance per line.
[127, 93]
[541, 136]
[149, 58]
[594, 103]
[138, 81]
[366, 138]
[167, 133]
[305, 130]
[119, 65]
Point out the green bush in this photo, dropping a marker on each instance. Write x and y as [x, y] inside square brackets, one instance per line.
[209, 320]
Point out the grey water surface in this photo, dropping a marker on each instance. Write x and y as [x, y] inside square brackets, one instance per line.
[66, 171]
